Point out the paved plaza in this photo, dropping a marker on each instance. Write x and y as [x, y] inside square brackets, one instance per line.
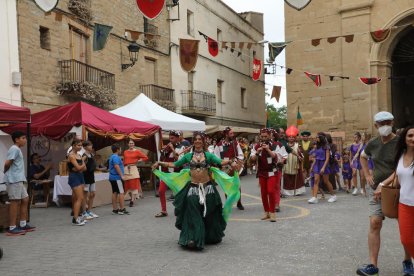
[323, 239]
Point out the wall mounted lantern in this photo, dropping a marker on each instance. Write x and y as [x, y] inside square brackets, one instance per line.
[133, 50]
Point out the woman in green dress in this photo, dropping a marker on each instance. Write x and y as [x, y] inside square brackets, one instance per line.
[198, 206]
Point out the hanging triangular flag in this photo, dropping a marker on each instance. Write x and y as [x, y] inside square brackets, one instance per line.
[345, 78]
[299, 119]
[315, 78]
[257, 69]
[212, 47]
[100, 36]
[233, 45]
[331, 39]
[188, 54]
[349, 38]
[239, 54]
[289, 70]
[241, 45]
[298, 4]
[316, 41]
[276, 92]
[331, 78]
[275, 49]
[249, 45]
[224, 45]
[150, 8]
[369, 81]
[134, 34]
[380, 35]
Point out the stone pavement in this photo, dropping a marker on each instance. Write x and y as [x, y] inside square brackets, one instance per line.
[323, 239]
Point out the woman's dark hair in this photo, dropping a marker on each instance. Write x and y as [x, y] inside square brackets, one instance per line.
[401, 146]
[86, 143]
[76, 141]
[358, 134]
[322, 140]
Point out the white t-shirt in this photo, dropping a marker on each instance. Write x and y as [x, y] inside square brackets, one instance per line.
[406, 179]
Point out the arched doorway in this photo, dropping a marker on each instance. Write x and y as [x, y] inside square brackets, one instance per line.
[402, 79]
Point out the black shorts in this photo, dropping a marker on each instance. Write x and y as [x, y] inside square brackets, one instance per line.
[117, 186]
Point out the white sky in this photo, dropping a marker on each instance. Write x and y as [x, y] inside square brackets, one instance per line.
[274, 22]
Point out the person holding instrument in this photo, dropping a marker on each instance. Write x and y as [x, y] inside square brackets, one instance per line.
[198, 207]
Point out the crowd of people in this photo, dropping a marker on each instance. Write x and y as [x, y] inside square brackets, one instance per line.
[285, 162]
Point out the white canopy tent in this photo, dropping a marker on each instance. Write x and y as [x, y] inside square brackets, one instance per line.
[144, 109]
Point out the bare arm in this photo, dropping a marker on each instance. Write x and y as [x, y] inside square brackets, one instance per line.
[79, 168]
[327, 156]
[364, 164]
[39, 175]
[7, 165]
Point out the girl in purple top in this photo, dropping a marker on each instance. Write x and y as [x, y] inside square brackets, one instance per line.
[321, 168]
[346, 171]
[356, 149]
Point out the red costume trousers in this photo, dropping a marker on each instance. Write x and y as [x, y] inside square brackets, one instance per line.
[268, 191]
[161, 191]
[406, 223]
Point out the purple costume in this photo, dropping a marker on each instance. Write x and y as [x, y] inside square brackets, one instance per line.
[312, 174]
[347, 171]
[356, 164]
[370, 164]
[336, 164]
[320, 158]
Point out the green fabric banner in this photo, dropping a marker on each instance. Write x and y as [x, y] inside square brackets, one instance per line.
[100, 36]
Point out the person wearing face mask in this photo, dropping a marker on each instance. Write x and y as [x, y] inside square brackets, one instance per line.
[382, 151]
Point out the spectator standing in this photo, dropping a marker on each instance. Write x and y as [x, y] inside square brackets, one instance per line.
[116, 177]
[382, 150]
[17, 192]
[90, 185]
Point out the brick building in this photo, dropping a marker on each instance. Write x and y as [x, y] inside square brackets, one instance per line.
[349, 105]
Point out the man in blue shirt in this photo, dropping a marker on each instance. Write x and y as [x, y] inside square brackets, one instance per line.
[116, 177]
[15, 179]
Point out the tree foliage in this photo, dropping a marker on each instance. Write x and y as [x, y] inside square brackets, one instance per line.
[277, 116]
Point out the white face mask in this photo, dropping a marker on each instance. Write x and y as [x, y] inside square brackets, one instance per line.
[385, 130]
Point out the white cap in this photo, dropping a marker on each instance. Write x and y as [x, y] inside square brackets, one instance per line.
[383, 116]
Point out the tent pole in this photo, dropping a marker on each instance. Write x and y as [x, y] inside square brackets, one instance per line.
[157, 137]
[29, 187]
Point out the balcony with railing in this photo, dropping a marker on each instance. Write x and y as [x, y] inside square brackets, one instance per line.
[83, 81]
[198, 103]
[161, 95]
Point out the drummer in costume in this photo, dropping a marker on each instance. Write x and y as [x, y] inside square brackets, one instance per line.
[229, 149]
[198, 207]
[306, 147]
[267, 154]
[169, 153]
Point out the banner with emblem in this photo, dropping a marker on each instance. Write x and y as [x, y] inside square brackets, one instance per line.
[46, 5]
[257, 69]
[151, 8]
[298, 4]
[188, 54]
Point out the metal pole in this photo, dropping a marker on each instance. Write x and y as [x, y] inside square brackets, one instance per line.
[29, 187]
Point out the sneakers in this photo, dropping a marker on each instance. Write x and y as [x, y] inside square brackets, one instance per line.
[87, 216]
[355, 192]
[92, 214]
[78, 222]
[28, 228]
[408, 268]
[115, 212]
[367, 270]
[123, 212]
[313, 200]
[240, 206]
[15, 232]
[332, 199]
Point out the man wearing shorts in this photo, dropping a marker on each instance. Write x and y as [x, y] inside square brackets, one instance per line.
[116, 176]
[382, 152]
[15, 179]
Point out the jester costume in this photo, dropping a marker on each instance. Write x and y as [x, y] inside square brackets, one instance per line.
[198, 207]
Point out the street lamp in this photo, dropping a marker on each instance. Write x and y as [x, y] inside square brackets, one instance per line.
[133, 50]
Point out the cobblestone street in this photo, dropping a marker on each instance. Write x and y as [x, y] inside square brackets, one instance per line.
[323, 239]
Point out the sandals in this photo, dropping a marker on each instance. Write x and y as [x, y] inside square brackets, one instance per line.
[161, 214]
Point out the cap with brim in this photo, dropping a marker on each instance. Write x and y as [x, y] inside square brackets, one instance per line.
[305, 133]
[383, 116]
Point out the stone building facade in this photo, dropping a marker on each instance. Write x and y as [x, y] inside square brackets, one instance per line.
[9, 54]
[220, 89]
[56, 47]
[349, 105]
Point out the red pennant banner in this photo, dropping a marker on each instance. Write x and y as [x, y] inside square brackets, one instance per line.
[188, 54]
[315, 78]
[380, 35]
[213, 48]
[151, 8]
[369, 81]
[257, 69]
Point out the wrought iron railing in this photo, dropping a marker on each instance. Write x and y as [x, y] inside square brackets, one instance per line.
[198, 102]
[76, 71]
[161, 95]
[150, 28]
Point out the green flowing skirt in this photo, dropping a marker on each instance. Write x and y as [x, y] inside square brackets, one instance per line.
[190, 220]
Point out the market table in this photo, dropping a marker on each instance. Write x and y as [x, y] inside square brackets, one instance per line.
[103, 189]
